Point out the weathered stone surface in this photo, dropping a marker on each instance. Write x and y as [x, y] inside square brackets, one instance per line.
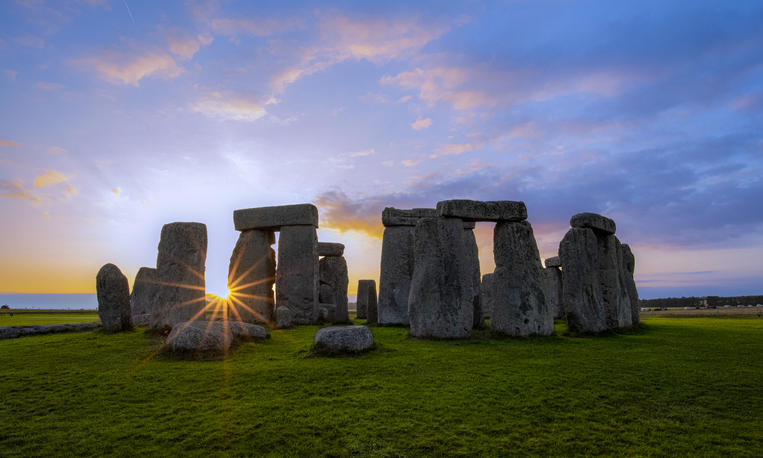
[334, 282]
[367, 301]
[552, 287]
[593, 221]
[441, 300]
[337, 340]
[395, 275]
[486, 296]
[627, 269]
[297, 283]
[519, 307]
[143, 299]
[581, 289]
[396, 217]
[473, 258]
[474, 210]
[180, 267]
[284, 317]
[330, 249]
[553, 262]
[251, 274]
[11, 332]
[273, 218]
[113, 299]
[617, 309]
[200, 337]
[327, 312]
[247, 331]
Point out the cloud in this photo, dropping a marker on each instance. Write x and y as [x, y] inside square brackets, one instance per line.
[365, 152]
[410, 162]
[421, 124]
[231, 107]
[339, 212]
[452, 149]
[48, 86]
[50, 178]
[122, 68]
[8, 143]
[15, 190]
[53, 150]
[185, 46]
[116, 191]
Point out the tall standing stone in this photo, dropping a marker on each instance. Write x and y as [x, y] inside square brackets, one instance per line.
[519, 307]
[367, 301]
[180, 267]
[552, 285]
[486, 295]
[251, 274]
[473, 258]
[333, 276]
[297, 283]
[395, 275]
[627, 269]
[581, 289]
[441, 300]
[113, 299]
[144, 295]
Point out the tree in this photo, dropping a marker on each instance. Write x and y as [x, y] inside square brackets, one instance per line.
[5, 307]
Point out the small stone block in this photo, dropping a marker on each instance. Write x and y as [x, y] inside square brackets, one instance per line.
[553, 262]
[330, 249]
[593, 221]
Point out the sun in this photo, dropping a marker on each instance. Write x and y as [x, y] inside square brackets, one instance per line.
[223, 295]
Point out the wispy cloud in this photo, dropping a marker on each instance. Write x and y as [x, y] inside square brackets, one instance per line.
[421, 124]
[16, 190]
[365, 152]
[53, 150]
[5, 143]
[50, 178]
[232, 107]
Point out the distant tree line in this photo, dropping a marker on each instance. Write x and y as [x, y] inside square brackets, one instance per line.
[708, 301]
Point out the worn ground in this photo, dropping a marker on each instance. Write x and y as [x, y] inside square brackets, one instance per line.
[678, 386]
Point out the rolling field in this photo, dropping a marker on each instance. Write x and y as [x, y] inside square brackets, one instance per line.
[47, 317]
[677, 386]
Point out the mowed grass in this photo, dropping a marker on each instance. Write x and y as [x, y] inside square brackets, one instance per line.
[678, 386]
[29, 319]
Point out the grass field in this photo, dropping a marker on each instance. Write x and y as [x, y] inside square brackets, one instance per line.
[35, 318]
[679, 386]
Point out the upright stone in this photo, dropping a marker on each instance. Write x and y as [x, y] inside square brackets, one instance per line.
[519, 307]
[297, 274]
[395, 275]
[180, 267]
[113, 299]
[552, 287]
[441, 300]
[144, 295]
[473, 258]
[367, 301]
[486, 295]
[333, 276]
[627, 269]
[474, 210]
[581, 289]
[273, 218]
[361, 302]
[251, 274]
[617, 304]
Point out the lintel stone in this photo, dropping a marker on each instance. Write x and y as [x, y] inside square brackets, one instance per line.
[396, 217]
[330, 249]
[272, 218]
[553, 262]
[474, 210]
[593, 221]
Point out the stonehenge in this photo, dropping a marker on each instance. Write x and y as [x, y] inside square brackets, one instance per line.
[251, 274]
[333, 285]
[143, 297]
[552, 285]
[366, 302]
[113, 299]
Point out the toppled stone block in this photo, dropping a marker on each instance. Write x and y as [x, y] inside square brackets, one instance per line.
[593, 221]
[251, 274]
[211, 338]
[273, 218]
[474, 210]
[553, 262]
[113, 299]
[330, 249]
[338, 340]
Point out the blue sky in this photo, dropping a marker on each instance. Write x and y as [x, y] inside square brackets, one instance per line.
[117, 117]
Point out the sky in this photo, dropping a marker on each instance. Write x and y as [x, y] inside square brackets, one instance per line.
[117, 117]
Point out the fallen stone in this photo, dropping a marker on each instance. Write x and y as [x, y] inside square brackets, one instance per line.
[473, 258]
[12, 332]
[247, 331]
[473, 210]
[273, 218]
[339, 340]
[144, 294]
[199, 337]
[627, 269]
[113, 299]
[284, 317]
[519, 303]
[395, 275]
[593, 221]
[334, 281]
[367, 301]
[297, 285]
[440, 304]
[553, 262]
[330, 249]
[180, 267]
[251, 274]
[581, 289]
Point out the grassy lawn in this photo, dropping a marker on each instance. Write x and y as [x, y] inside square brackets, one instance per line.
[679, 386]
[28, 319]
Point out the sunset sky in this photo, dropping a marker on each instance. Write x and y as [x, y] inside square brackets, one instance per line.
[119, 116]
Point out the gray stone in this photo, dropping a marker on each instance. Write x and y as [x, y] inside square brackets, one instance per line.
[367, 301]
[396, 217]
[113, 299]
[337, 340]
[145, 289]
[330, 249]
[474, 210]
[297, 272]
[395, 275]
[581, 289]
[441, 300]
[627, 269]
[519, 307]
[273, 218]
[552, 287]
[473, 258]
[327, 312]
[553, 262]
[180, 267]
[251, 274]
[247, 331]
[486, 296]
[334, 282]
[598, 223]
[12, 332]
[617, 304]
[284, 317]
[199, 337]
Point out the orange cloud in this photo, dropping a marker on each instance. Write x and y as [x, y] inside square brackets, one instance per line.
[50, 178]
[15, 190]
[230, 106]
[339, 212]
[56, 150]
[421, 124]
[8, 143]
[442, 84]
[118, 68]
[452, 149]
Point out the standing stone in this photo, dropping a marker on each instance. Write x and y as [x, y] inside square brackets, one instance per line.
[367, 301]
[395, 275]
[581, 289]
[623, 304]
[113, 299]
[486, 296]
[284, 317]
[519, 307]
[180, 267]
[441, 300]
[251, 274]
[297, 274]
[144, 295]
[334, 281]
[552, 286]
[473, 258]
[627, 269]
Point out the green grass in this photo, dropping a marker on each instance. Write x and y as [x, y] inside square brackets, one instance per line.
[28, 319]
[677, 387]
